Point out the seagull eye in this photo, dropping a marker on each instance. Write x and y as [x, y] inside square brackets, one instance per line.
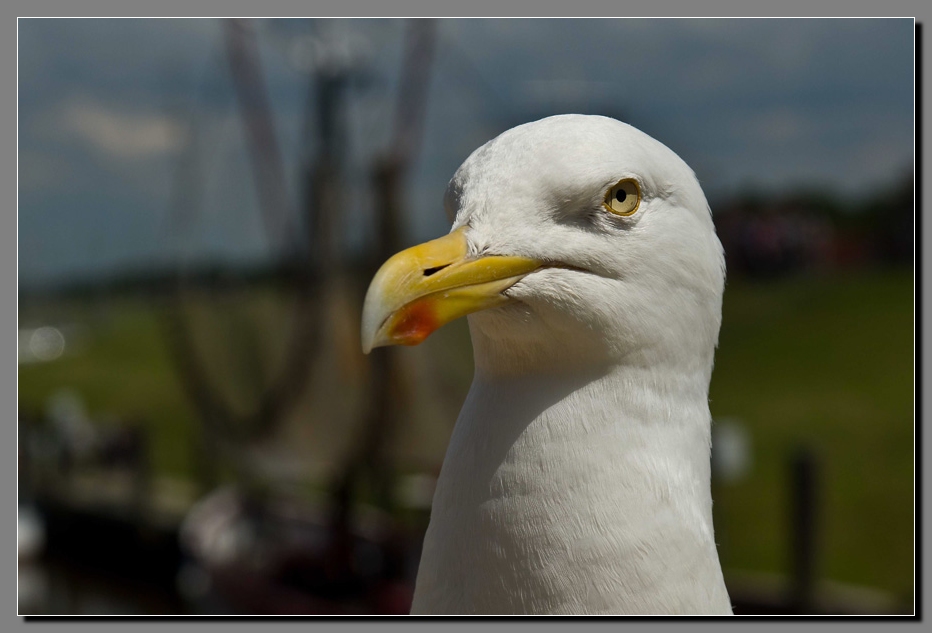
[623, 198]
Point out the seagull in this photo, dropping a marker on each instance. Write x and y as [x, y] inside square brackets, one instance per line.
[577, 477]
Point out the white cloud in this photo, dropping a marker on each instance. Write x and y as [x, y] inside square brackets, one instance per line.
[120, 134]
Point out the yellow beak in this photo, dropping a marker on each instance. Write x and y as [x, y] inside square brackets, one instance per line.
[428, 285]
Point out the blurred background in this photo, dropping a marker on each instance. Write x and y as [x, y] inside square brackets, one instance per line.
[202, 204]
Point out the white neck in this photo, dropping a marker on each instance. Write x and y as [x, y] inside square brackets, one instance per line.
[576, 492]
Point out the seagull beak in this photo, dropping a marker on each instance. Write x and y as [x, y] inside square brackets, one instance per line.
[428, 285]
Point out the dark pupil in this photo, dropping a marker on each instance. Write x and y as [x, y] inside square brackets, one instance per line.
[620, 195]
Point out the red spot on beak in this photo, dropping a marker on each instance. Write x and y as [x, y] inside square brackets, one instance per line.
[414, 323]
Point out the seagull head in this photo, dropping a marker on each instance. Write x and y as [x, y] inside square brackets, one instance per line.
[575, 240]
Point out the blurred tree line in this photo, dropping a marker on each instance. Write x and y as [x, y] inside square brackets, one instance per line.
[812, 230]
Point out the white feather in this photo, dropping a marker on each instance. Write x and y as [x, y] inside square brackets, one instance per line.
[577, 478]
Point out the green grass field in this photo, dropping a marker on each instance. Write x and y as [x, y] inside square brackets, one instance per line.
[829, 363]
[119, 366]
[823, 361]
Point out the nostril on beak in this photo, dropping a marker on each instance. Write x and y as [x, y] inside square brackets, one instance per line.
[430, 271]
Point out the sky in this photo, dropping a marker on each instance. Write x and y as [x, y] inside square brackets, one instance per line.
[770, 105]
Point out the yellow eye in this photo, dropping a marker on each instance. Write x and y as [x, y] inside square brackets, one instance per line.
[623, 198]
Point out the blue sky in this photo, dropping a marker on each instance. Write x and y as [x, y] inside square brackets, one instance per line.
[768, 104]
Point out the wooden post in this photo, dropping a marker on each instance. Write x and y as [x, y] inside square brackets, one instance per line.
[804, 520]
